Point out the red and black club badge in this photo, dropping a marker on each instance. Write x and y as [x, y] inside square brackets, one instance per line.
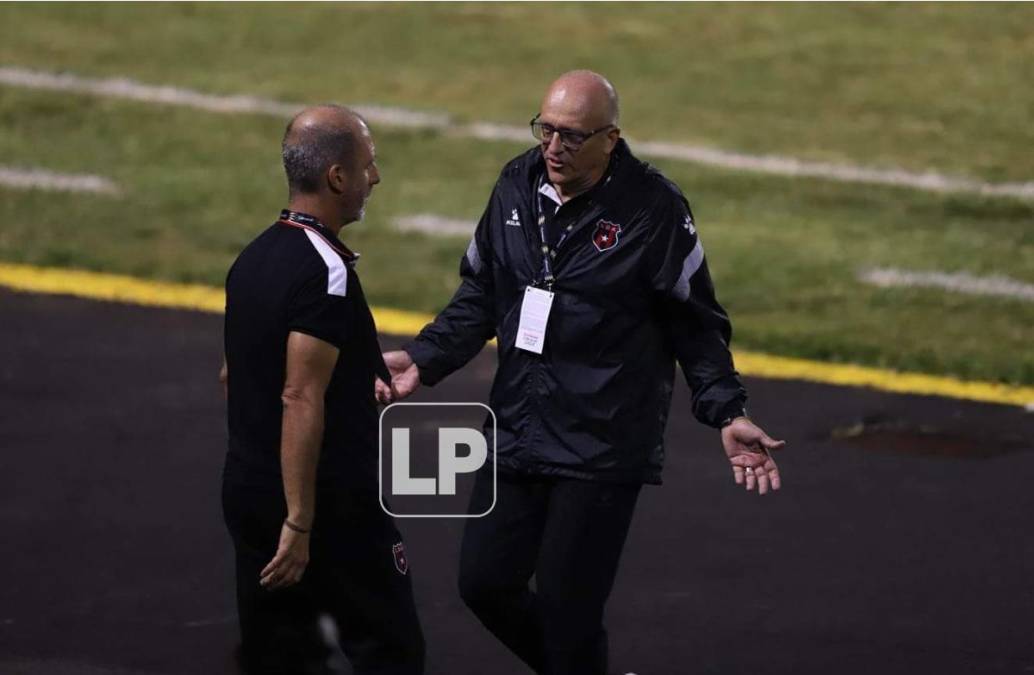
[606, 235]
[401, 564]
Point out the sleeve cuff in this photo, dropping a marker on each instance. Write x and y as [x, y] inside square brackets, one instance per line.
[723, 400]
[329, 336]
[425, 355]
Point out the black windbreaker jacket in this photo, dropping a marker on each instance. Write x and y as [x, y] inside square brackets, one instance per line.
[595, 403]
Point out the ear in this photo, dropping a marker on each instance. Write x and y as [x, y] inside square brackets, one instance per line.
[337, 178]
[612, 139]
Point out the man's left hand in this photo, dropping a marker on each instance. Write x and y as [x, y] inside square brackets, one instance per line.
[747, 446]
[288, 565]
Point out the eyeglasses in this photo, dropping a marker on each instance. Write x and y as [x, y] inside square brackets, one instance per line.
[569, 138]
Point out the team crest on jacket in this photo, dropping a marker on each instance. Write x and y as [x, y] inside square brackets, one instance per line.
[401, 563]
[606, 235]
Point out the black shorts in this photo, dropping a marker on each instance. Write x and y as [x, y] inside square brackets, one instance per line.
[358, 576]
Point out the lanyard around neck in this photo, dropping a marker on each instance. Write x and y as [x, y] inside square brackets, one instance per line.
[549, 253]
[304, 221]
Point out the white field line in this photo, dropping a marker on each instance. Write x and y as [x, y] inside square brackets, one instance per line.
[146, 93]
[845, 173]
[959, 282]
[435, 225]
[401, 117]
[40, 179]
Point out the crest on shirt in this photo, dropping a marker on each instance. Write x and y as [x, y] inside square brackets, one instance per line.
[514, 220]
[606, 235]
[399, 552]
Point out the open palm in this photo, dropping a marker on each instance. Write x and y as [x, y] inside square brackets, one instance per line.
[747, 446]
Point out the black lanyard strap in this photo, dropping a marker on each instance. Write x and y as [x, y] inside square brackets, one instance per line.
[304, 221]
[549, 253]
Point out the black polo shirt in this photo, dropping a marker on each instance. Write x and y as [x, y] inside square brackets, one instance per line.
[297, 276]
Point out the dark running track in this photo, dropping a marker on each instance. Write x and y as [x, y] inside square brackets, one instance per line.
[901, 543]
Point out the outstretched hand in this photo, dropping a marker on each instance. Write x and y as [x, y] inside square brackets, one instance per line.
[405, 376]
[747, 446]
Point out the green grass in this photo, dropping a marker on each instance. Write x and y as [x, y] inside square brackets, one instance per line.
[925, 87]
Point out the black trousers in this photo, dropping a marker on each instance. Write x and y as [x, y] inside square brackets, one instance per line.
[356, 577]
[566, 533]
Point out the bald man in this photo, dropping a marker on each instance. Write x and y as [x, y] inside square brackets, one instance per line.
[300, 495]
[587, 267]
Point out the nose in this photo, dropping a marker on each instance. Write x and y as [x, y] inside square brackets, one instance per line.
[555, 147]
[375, 176]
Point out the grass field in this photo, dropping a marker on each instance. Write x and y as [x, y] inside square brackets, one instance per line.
[925, 87]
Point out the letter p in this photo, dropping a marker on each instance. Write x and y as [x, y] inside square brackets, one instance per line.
[450, 464]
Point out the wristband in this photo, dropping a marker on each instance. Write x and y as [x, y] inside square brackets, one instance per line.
[296, 528]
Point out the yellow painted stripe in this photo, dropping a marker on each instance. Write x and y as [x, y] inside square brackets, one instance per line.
[399, 321]
[98, 286]
[120, 288]
[114, 287]
[787, 368]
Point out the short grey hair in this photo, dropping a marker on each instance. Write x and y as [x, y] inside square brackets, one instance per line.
[309, 152]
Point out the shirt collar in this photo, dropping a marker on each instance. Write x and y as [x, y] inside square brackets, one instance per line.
[548, 190]
[616, 159]
[304, 221]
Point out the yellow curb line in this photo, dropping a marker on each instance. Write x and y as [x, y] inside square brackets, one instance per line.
[118, 288]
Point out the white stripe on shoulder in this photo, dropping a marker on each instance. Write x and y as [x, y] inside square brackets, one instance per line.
[690, 266]
[337, 271]
[473, 256]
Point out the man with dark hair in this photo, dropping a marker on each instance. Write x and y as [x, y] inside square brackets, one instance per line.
[300, 493]
[308, 151]
[587, 268]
